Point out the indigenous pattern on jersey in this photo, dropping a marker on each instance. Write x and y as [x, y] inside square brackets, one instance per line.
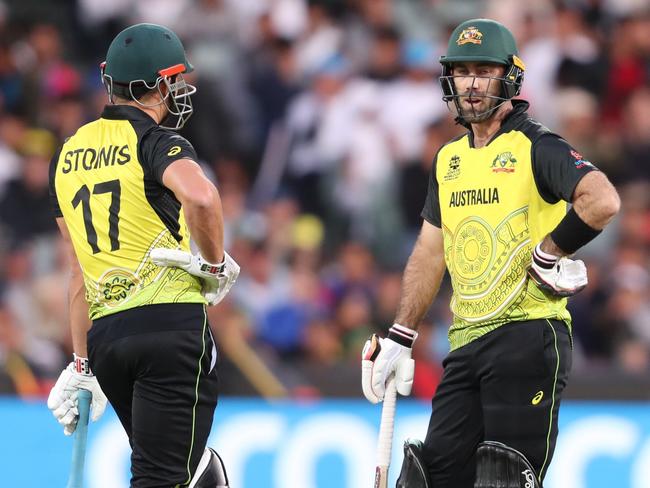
[106, 182]
[494, 204]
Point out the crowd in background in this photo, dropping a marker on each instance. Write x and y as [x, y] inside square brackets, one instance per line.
[319, 120]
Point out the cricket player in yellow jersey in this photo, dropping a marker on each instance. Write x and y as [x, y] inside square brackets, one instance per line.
[128, 196]
[496, 218]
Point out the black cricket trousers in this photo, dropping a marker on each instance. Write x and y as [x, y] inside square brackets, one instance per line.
[157, 366]
[505, 386]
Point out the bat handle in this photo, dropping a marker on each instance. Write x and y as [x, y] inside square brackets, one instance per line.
[385, 444]
[79, 443]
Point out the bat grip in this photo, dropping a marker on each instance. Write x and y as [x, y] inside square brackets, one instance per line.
[385, 443]
[79, 443]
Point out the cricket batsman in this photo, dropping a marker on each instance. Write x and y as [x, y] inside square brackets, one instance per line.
[128, 195]
[496, 218]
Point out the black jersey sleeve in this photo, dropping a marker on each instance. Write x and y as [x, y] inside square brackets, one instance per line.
[160, 148]
[54, 200]
[431, 210]
[557, 167]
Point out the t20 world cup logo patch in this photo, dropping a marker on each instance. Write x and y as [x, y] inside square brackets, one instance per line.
[453, 171]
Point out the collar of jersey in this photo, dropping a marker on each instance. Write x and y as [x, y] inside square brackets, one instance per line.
[126, 112]
[514, 118]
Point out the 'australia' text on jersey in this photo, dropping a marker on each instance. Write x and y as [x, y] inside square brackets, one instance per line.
[478, 196]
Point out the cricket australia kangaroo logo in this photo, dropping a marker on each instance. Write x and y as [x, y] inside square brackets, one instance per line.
[471, 35]
[529, 481]
[504, 163]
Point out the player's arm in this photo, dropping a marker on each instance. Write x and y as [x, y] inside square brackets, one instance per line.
[561, 173]
[383, 357]
[422, 276]
[595, 203]
[62, 400]
[201, 206]
[78, 306]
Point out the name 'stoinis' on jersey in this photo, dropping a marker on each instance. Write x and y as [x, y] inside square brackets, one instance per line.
[93, 158]
[478, 196]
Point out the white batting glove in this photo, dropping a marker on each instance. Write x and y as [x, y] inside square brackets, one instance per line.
[217, 278]
[561, 276]
[383, 357]
[62, 400]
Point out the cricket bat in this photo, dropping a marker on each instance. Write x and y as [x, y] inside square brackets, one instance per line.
[76, 478]
[385, 443]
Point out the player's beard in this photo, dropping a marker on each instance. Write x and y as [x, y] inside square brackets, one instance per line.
[474, 115]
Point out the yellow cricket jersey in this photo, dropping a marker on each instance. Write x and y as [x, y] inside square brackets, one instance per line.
[106, 182]
[494, 204]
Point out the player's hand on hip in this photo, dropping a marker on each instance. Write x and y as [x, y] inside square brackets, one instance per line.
[63, 401]
[383, 357]
[217, 279]
[560, 276]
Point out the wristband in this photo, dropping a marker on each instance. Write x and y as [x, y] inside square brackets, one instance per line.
[210, 268]
[572, 232]
[402, 335]
[543, 259]
[81, 365]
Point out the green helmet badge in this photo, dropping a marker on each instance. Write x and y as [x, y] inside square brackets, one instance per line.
[471, 34]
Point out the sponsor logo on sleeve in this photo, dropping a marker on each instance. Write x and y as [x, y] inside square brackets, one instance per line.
[580, 162]
[173, 151]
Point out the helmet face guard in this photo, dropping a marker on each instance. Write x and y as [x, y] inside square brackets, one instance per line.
[177, 99]
[510, 86]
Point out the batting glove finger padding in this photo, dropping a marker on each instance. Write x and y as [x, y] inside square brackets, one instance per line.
[217, 279]
[62, 400]
[370, 352]
[383, 357]
[560, 276]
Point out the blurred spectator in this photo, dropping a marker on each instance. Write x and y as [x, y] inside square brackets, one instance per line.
[320, 41]
[11, 133]
[635, 137]
[29, 195]
[320, 121]
[16, 375]
[628, 64]
[384, 55]
[274, 82]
